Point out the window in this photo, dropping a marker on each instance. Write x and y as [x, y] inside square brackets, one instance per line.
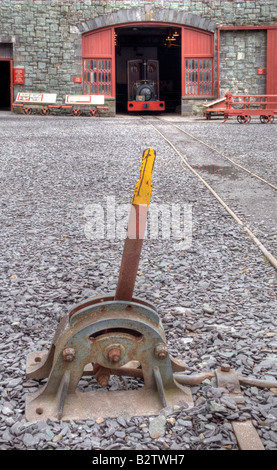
[199, 77]
[97, 77]
[6, 51]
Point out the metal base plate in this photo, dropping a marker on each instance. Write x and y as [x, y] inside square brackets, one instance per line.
[105, 404]
[101, 403]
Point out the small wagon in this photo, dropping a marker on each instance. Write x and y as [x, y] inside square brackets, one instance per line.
[246, 106]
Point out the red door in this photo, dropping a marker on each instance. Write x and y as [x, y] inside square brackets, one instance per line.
[271, 68]
[197, 62]
[99, 62]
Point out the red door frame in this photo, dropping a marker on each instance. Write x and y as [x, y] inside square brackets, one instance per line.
[11, 78]
[271, 63]
[112, 56]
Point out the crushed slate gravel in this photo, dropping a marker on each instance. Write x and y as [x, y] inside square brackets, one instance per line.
[217, 298]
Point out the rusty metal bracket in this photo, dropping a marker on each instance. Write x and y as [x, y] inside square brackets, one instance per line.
[102, 336]
[227, 378]
[245, 432]
[109, 334]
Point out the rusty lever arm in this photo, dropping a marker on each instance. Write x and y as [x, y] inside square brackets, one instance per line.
[136, 229]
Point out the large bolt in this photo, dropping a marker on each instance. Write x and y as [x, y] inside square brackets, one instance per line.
[161, 351]
[103, 380]
[102, 374]
[68, 354]
[114, 355]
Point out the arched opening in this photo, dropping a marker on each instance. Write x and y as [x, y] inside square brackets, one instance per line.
[184, 55]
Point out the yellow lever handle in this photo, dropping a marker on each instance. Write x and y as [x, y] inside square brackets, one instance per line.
[143, 188]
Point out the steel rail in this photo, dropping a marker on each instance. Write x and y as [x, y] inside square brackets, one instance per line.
[221, 154]
[262, 248]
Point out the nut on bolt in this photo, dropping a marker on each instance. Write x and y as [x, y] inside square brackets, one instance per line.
[69, 354]
[114, 352]
[161, 351]
[114, 355]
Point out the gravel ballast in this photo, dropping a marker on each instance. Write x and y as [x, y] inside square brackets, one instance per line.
[216, 298]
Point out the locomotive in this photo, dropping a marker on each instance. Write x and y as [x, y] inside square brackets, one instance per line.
[143, 85]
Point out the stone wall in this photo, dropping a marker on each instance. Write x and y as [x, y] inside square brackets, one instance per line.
[241, 54]
[47, 35]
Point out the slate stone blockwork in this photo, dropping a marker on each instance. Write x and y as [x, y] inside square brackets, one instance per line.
[47, 35]
[242, 53]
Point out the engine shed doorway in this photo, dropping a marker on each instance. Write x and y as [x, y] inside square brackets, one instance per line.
[5, 85]
[161, 43]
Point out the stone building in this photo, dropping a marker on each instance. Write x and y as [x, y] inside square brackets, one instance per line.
[71, 47]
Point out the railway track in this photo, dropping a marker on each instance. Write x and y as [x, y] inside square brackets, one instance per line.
[245, 433]
[171, 132]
